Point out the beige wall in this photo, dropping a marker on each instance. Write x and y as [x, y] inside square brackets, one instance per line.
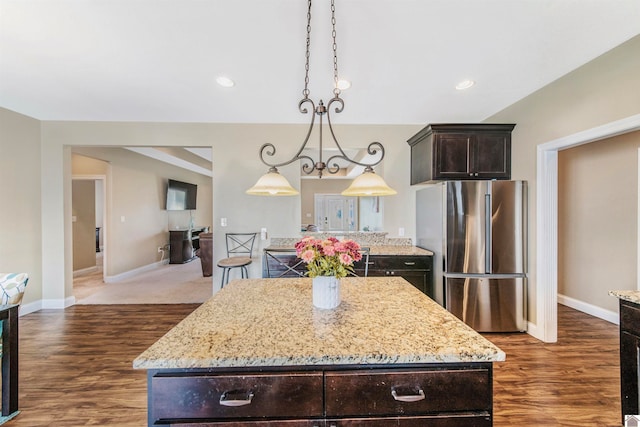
[602, 91]
[20, 224]
[597, 219]
[236, 168]
[83, 203]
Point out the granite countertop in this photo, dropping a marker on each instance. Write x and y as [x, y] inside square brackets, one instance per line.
[631, 296]
[373, 250]
[272, 322]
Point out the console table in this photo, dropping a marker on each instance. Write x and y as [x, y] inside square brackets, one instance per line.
[183, 244]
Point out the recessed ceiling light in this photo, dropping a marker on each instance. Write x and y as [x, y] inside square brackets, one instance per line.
[344, 84]
[225, 81]
[465, 84]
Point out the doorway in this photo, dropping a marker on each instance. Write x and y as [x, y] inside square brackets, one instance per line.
[547, 220]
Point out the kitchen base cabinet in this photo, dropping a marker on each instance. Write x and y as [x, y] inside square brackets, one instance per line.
[415, 269]
[462, 420]
[459, 420]
[630, 357]
[433, 395]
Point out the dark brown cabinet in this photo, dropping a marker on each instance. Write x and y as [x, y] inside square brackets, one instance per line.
[461, 151]
[436, 395]
[183, 244]
[629, 357]
[415, 269]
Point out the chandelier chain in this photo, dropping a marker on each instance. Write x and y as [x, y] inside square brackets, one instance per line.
[336, 90]
[309, 165]
[306, 92]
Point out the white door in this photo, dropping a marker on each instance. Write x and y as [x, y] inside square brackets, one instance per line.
[335, 212]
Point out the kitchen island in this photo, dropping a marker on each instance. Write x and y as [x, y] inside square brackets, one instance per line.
[259, 354]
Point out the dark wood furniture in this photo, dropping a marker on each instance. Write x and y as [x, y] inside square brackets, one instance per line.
[184, 243]
[461, 151]
[629, 357]
[427, 395]
[415, 269]
[259, 354]
[9, 319]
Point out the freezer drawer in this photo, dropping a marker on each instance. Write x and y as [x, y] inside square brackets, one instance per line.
[488, 304]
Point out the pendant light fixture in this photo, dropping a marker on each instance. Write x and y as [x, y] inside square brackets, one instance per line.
[367, 184]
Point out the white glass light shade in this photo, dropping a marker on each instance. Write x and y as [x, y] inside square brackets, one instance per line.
[369, 184]
[272, 184]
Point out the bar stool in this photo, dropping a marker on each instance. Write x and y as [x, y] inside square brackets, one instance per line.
[239, 253]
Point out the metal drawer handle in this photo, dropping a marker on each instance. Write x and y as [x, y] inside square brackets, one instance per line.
[409, 263]
[230, 398]
[408, 397]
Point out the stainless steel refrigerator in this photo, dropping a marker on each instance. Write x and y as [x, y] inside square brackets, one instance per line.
[478, 233]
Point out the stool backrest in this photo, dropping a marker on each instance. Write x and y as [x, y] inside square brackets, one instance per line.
[240, 244]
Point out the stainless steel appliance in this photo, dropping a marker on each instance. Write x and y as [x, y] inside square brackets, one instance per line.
[478, 233]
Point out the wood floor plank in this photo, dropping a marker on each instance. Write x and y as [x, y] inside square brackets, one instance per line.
[75, 369]
[574, 382]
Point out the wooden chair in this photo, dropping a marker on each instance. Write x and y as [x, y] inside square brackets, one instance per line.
[239, 253]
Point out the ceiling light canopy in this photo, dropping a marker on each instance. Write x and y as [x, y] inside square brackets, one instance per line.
[225, 81]
[344, 84]
[465, 84]
[367, 184]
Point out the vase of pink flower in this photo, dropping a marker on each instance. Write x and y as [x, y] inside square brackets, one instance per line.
[327, 262]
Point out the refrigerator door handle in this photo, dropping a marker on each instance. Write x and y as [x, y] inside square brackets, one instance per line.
[487, 233]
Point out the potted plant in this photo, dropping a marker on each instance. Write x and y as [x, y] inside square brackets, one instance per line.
[327, 261]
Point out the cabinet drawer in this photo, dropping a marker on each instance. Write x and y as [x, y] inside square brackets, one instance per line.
[398, 262]
[361, 393]
[274, 423]
[453, 420]
[178, 397]
[629, 317]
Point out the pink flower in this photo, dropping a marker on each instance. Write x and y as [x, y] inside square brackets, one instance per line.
[329, 250]
[345, 259]
[308, 256]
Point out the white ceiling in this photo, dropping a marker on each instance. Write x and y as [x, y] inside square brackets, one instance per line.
[157, 60]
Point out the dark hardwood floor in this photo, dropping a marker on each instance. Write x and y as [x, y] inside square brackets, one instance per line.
[75, 369]
[574, 382]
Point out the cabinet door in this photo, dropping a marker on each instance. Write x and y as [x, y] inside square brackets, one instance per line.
[419, 279]
[629, 375]
[491, 156]
[452, 154]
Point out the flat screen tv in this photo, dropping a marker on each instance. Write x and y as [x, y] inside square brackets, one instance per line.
[181, 196]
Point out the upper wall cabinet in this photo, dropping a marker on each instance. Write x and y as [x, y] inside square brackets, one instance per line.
[461, 151]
